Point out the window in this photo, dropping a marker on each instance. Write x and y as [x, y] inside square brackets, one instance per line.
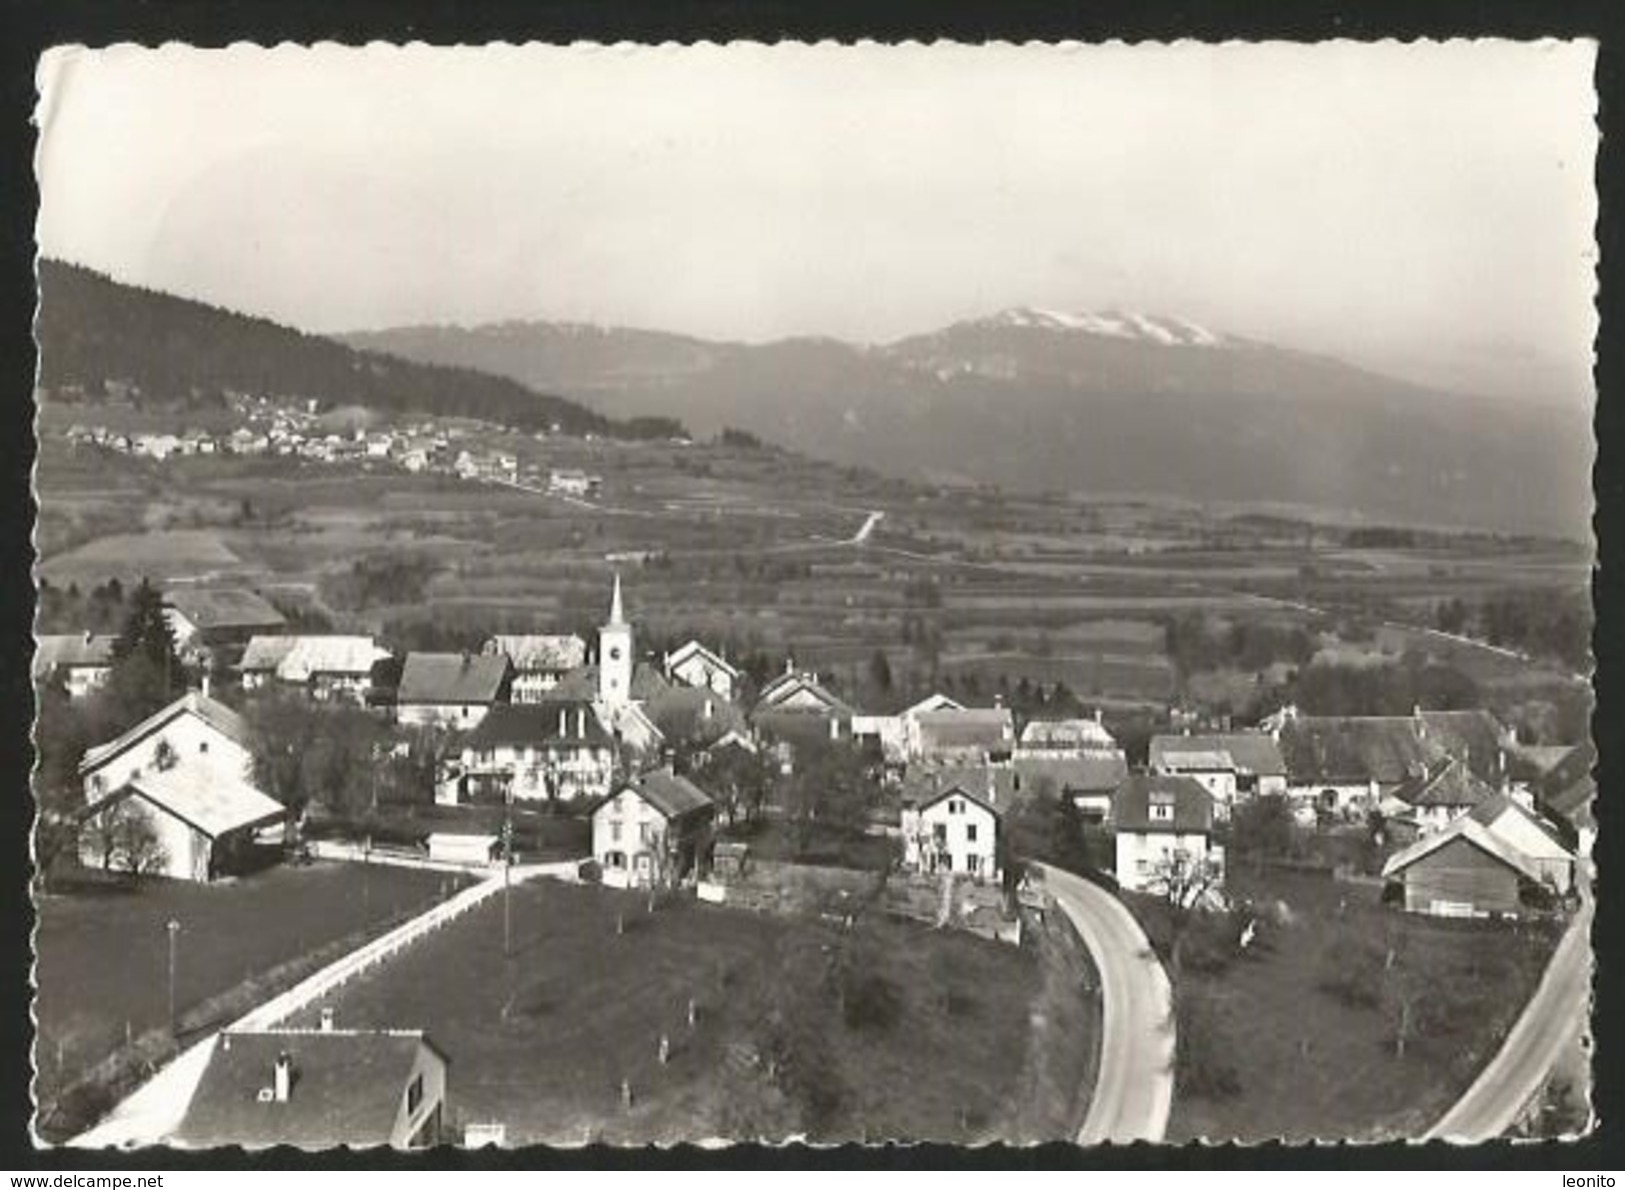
[973, 863]
[414, 1093]
[970, 832]
[955, 806]
[203, 745]
[614, 832]
[939, 834]
[645, 832]
[1142, 865]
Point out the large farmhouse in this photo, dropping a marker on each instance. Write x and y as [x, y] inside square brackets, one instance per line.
[82, 661]
[1465, 870]
[539, 662]
[201, 618]
[1231, 766]
[695, 665]
[546, 752]
[328, 668]
[455, 690]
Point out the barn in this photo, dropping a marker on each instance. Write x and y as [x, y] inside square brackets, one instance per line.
[1465, 870]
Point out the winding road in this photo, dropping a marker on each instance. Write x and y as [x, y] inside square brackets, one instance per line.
[1134, 1086]
[1552, 1019]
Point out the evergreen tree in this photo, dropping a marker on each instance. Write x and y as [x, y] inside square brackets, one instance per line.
[147, 673]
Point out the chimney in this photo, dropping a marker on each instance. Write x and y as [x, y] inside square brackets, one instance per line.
[1097, 714]
[327, 1019]
[789, 666]
[581, 723]
[710, 709]
[998, 702]
[564, 728]
[834, 728]
[282, 1077]
[205, 684]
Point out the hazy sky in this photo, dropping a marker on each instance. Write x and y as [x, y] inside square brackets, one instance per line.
[1423, 207]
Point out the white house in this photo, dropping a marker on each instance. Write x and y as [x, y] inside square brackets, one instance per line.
[199, 823]
[1065, 739]
[455, 690]
[650, 829]
[954, 830]
[1439, 795]
[546, 752]
[1523, 830]
[540, 662]
[195, 730]
[1162, 825]
[894, 732]
[1229, 765]
[695, 665]
[83, 661]
[317, 1089]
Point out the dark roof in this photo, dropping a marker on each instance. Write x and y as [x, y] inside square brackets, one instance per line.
[582, 682]
[1072, 775]
[536, 725]
[1570, 789]
[672, 795]
[1131, 805]
[452, 677]
[72, 649]
[796, 726]
[970, 791]
[225, 608]
[1252, 752]
[348, 1088]
[1447, 783]
[679, 713]
[1388, 749]
[989, 728]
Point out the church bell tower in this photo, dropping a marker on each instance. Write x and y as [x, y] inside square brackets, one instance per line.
[615, 655]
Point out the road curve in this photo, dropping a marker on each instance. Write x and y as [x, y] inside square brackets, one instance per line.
[1134, 1086]
[1555, 1014]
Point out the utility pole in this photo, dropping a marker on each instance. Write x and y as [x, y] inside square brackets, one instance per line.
[173, 928]
[507, 874]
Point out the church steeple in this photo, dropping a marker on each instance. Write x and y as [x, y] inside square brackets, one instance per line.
[615, 654]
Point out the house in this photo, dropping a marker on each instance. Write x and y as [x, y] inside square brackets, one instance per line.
[194, 730]
[1162, 826]
[953, 830]
[1536, 840]
[1229, 765]
[1348, 764]
[539, 662]
[455, 690]
[536, 752]
[199, 823]
[797, 709]
[651, 830]
[205, 619]
[891, 733]
[961, 735]
[1432, 799]
[695, 665]
[571, 482]
[331, 668]
[1566, 794]
[1043, 739]
[1089, 781]
[1464, 870]
[317, 1089]
[83, 661]
[694, 716]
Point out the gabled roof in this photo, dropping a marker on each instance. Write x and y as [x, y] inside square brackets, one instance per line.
[1387, 749]
[1067, 733]
[1448, 783]
[452, 678]
[694, 649]
[327, 654]
[532, 652]
[203, 798]
[1248, 752]
[1495, 811]
[788, 685]
[680, 711]
[1471, 832]
[213, 712]
[582, 682]
[70, 650]
[536, 725]
[970, 792]
[223, 608]
[1131, 805]
[264, 653]
[995, 785]
[932, 702]
[348, 1089]
[671, 795]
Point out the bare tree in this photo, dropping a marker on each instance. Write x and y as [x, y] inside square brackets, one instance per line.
[123, 838]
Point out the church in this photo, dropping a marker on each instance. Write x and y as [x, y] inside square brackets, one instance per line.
[625, 685]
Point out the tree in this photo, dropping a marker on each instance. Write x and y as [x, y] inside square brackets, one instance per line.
[831, 786]
[123, 838]
[1263, 827]
[740, 779]
[880, 672]
[147, 674]
[1186, 886]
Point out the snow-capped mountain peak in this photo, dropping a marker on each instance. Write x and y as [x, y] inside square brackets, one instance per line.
[1173, 332]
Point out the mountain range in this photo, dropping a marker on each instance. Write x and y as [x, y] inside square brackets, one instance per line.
[1094, 402]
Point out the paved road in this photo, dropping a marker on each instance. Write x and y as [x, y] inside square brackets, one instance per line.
[1552, 1019]
[1134, 1086]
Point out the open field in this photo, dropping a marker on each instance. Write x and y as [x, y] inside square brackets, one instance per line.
[1305, 1062]
[889, 1030]
[102, 951]
[750, 549]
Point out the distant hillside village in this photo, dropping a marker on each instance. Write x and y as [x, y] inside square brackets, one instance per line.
[679, 766]
[270, 429]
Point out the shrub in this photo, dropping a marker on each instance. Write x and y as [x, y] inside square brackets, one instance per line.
[1202, 1070]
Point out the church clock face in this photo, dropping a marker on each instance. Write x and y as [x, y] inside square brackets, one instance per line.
[615, 653]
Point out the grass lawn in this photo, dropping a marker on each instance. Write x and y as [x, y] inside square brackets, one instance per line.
[102, 951]
[889, 1030]
[1281, 1047]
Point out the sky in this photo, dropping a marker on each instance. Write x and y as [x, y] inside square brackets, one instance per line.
[1427, 209]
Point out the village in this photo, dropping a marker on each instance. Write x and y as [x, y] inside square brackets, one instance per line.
[546, 756]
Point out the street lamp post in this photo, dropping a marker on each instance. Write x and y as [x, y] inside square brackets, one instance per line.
[173, 929]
